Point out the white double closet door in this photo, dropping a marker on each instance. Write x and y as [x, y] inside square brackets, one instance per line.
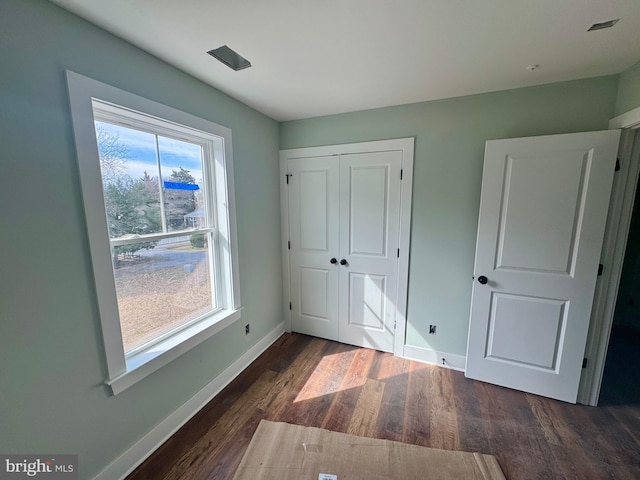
[344, 221]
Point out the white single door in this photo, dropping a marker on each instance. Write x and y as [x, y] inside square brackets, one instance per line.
[370, 187]
[542, 216]
[313, 219]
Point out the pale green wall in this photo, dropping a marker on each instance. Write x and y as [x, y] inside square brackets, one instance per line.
[628, 90]
[450, 137]
[52, 397]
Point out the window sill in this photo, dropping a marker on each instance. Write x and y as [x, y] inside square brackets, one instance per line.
[148, 361]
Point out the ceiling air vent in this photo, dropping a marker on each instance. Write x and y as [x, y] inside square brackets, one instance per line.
[601, 25]
[230, 58]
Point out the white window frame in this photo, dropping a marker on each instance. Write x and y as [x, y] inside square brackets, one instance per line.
[91, 100]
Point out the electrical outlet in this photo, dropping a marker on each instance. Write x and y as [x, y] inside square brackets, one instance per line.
[247, 329]
[432, 329]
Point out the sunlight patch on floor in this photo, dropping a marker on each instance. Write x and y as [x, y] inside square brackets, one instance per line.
[323, 380]
[327, 380]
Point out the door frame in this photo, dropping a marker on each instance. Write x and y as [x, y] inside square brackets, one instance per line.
[612, 256]
[406, 145]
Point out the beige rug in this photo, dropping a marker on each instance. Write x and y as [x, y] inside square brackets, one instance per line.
[283, 451]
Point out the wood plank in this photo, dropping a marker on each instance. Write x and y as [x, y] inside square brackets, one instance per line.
[472, 426]
[393, 372]
[613, 445]
[513, 432]
[559, 437]
[224, 463]
[216, 438]
[293, 379]
[345, 400]
[314, 398]
[443, 417]
[364, 419]
[417, 427]
[628, 417]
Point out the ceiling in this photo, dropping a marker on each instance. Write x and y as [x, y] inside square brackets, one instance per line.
[320, 57]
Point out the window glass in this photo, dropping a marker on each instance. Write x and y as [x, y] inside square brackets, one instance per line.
[161, 288]
[154, 184]
[181, 167]
[129, 180]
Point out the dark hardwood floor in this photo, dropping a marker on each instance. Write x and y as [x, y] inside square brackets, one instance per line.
[309, 381]
[621, 382]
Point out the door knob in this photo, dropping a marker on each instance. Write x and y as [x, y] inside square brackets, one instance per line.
[343, 262]
[333, 261]
[483, 280]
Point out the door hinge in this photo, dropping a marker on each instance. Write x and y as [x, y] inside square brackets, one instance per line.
[395, 324]
[398, 253]
[600, 269]
[617, 165]
[584, 362]
[290, 306]
[401, 173]
[288, 175]
[289, 244]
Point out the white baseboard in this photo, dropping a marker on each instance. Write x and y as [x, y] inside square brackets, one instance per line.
[134, 456]
[433, 357]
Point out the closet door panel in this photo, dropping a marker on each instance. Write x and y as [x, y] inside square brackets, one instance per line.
[313, 220]
[370, 187]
